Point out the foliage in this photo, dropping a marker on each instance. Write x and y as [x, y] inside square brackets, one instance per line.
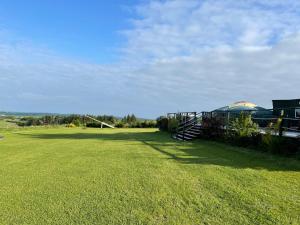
[275, 144]
[162, 123]
[121, 124]
[213, 128]
[30, 121]
[94, 125]
[106, 119]
[137, 124]
[129, 121]
[243, 131]
[173, 124]
[77, 122]
[71, 125]
[243, 126]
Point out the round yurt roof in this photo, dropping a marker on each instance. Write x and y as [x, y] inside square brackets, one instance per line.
[241, 106]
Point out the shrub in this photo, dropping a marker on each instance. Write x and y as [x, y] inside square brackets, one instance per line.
[275, 144]
[76, 122]
[243, 131]
[94, 125]
[243, 126]
[120, 124]
[21, 124]
[148, 124]
[136, 124]
[162, 123]
[173, 124]
[71, 125]
[212, 128]
[285, 146]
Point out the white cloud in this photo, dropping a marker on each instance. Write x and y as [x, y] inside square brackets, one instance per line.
[179, 27]
[180, 55]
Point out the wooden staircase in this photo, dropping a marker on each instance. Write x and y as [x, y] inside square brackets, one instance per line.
[189, 129]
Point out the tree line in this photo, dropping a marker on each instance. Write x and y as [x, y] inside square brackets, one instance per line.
[128, 121]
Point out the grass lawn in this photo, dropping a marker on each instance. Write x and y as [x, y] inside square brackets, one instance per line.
[140, 176]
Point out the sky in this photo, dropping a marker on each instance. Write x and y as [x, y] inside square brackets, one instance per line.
[146, 57]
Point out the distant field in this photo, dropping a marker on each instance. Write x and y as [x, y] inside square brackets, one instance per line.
[140, 176]
[5, 124]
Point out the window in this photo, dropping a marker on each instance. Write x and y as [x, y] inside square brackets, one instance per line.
[297, 112]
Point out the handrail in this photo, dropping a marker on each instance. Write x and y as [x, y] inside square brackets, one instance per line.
[182, 113]
[195, 115]
[188, 122]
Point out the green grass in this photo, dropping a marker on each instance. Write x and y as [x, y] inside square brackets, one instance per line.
[4, 124]
[140, 176]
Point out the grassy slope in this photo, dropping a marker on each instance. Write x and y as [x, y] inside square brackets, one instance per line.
[4, 124]
[139, 176]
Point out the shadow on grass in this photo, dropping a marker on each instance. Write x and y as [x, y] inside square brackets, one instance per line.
[197, 152]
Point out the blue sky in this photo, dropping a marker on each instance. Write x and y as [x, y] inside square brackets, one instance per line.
[147, 57]
[88, 30]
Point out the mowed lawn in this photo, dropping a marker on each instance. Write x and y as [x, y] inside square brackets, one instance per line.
[140, 176]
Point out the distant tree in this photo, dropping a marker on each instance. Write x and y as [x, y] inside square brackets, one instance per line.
[162, 123]
[130, 119]
[133, 118]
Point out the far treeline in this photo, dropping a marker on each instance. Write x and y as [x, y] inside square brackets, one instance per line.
[129, 121]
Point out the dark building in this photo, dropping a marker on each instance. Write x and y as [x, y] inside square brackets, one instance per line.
[290, 111]
[287, 108]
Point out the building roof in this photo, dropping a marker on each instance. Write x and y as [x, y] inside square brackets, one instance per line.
[241, 106]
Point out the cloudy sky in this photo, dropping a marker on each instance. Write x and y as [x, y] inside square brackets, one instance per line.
[146, 57]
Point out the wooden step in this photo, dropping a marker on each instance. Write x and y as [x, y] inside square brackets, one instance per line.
[195, 132]
[184, 137]
[190, 134]
[179, 139]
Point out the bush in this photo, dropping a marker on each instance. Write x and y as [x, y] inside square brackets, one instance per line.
[280, 145]
[162, 123]
[71, 125]
[212, 128]
[120, 124]
[136, 124]
[243, 132]
[94, 125]
[173, 124]
[148, 124]
[243, 126]
[21, 124]
[76, 122]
